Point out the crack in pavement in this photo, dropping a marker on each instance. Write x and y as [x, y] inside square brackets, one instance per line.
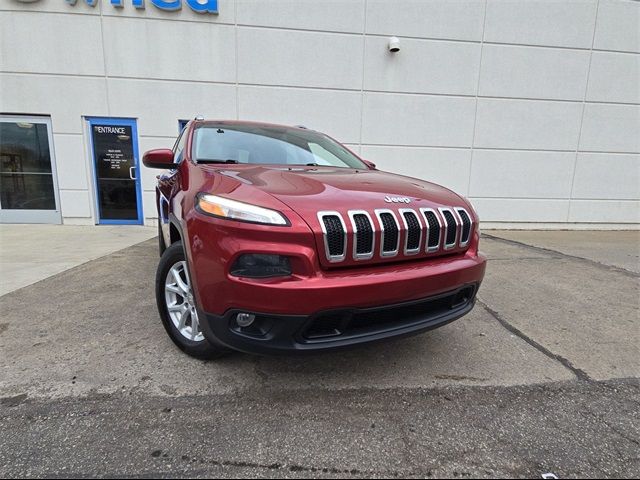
[579, 373]
[612, 428]
[294, 468]
[557, 253]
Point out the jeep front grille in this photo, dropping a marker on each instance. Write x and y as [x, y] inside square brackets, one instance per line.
[390, 233]
[424, 231]
[363, 235]
[451, 228]
[335, 235]
[413, 227]
[433, 227]
[465, 236]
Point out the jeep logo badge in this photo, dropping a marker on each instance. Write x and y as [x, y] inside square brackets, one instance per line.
[389, 199]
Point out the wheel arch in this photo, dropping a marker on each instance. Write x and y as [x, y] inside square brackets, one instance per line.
[175, 231]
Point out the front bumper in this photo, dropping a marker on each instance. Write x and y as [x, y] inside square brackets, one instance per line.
[337, 328]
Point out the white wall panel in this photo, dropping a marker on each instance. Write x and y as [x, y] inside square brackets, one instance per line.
[522, 148]
[611, 128]
[527, 124]
[226, 12]
[617, 27]
[541, 22]
[422, 66]
[334, 15]
[614, 77]
[532, 72]
[75, 203]
[445, 166]
[607, 176]
[159, 105]
[525, 210]
[393, 119]
[149, 209]
[73, 164]
[169, 50]
[66, 99]
[336, 113]
[451, 19]
[277, 57]
[513, 174]
[33, 42]
[608, 211]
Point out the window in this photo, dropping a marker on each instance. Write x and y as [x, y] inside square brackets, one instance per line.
[233, 143]
[178, 148]
[27, 174]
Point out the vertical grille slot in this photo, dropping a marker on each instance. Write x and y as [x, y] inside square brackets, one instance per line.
[465, 236]
[451, 228]
[433, 229]
[364, 239]
[413, 228]
[390, 233]
[335, 235]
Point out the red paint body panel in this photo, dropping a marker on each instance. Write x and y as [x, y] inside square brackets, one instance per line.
[299, 193]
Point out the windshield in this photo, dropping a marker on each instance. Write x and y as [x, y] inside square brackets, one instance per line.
[269, 145]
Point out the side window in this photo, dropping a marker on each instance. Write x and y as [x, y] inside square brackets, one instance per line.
[179, 147]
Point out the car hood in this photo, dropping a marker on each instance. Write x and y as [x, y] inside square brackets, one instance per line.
[308, 190]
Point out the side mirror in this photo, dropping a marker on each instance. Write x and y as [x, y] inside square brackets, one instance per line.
[369, 164]
[159, 158]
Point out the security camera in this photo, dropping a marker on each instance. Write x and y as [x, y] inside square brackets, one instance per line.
[394, 44]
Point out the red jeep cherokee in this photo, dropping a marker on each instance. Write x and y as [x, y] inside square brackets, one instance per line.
[279, 239]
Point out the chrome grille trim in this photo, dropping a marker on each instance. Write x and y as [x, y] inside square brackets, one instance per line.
[449, 246]
[356, 255]
[456, 222]
[428, 229]
[462, 243]
[412, 251]
[378, 213]
[333, 258]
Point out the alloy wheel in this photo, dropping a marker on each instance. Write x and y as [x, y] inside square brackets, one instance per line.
[181, 303]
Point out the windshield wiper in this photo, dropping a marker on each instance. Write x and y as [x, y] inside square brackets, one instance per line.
[213, 160]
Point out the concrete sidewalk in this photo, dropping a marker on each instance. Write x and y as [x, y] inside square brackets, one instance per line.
[30, 253]
[615, 248]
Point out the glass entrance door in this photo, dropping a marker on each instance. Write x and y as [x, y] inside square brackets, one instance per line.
[114, 143]
[28, 182]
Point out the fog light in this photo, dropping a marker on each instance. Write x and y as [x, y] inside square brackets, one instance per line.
[256, 265]
[245, 319]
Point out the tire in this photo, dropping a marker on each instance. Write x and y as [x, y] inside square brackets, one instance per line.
[161, 245]
[179, 321]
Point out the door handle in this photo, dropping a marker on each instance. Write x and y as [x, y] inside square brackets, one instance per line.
[131, 173]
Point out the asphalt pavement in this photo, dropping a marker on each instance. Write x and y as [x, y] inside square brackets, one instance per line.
[542, 377]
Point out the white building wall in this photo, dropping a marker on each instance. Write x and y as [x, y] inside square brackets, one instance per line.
[530, 108]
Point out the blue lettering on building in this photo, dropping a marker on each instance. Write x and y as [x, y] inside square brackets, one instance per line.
[200, 6]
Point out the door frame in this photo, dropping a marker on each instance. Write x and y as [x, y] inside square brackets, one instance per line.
[36, 216]
[116, 122]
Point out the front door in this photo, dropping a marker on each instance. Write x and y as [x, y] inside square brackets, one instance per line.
[114, 144]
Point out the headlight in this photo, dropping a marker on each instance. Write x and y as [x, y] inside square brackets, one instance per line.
[225, 208]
